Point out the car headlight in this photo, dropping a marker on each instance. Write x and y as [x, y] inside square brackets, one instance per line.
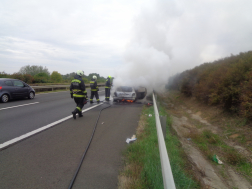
[133, 94]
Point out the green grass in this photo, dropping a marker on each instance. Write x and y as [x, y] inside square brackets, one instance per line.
[145, 152]
[210, 144]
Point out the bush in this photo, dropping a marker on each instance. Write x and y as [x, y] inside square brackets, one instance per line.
[56, 77]
[28, 78]
[17, 76]
[225, 82]
[41, 78]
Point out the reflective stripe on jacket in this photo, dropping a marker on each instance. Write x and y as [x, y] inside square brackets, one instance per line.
[93, 85]
[77, 87]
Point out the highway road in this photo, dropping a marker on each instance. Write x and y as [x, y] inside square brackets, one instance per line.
[49, 158]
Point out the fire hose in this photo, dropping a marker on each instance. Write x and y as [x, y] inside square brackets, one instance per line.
[84, 154]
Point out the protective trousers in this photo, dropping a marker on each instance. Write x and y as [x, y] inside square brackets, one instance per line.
[94, 93]
[107, 94]
[79, 103]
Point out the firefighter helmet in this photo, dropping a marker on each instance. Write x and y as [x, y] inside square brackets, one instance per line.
[94, 77]
[109, 76]
[80, 73]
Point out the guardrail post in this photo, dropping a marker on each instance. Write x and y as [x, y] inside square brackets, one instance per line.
[163, 124]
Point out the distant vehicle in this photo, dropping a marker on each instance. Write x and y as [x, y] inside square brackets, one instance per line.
[128, 94]
[14, 89]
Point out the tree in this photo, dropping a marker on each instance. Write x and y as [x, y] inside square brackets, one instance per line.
[90, 76]
[4, 75]
[17, 76]
[68, 77]
[85, 80]
[56, 77]
[100, 79]
[33, 70]
[28, 78]
[41, 78]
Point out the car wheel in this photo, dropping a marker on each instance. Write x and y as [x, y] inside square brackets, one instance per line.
[5, 98]
[31, 95]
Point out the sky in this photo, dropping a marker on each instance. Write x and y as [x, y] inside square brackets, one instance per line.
[139, 42]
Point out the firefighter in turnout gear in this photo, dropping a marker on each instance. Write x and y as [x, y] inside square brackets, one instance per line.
[78, 93]
[108, 87]
[94, 90]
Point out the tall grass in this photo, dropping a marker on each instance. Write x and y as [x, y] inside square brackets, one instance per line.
[145, 154]
[211, 144]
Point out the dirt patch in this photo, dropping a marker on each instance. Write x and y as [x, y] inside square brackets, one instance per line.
[234, 136]
[190, 116]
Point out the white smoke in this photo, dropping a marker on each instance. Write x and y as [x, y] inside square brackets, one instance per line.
[173, 36]
[147, 57]
[146, 66]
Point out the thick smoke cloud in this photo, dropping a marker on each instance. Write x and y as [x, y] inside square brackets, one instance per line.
[172, 36]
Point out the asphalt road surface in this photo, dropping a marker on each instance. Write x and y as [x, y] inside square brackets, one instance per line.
[49, 159]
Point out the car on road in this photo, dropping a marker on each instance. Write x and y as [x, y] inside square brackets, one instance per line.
[14, 89]
[124, 93]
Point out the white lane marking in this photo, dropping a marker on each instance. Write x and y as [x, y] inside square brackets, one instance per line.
[19, 106]
[5, 144]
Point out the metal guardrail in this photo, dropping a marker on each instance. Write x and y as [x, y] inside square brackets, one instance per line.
[165, 163]
[55, 87]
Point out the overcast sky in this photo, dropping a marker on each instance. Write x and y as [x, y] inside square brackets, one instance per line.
[140, 39]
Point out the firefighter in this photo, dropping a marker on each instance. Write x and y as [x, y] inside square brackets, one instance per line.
[108, 87]
[94, 90]
[79, 93]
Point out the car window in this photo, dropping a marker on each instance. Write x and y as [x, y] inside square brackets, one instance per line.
[124, 89]
[8, 83]
[18, 84]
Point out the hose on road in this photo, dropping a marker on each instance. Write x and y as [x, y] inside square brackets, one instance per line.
[84, 154]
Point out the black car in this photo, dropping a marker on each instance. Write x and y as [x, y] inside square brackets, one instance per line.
[14, 88]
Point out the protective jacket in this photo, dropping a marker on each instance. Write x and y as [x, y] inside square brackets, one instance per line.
[93, 85]
[77, 87]
[108, 83]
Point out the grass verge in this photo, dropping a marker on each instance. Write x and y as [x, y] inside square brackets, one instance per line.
[142, 160]
[211, 144]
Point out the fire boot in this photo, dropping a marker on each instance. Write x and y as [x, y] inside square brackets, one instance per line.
[80, 113]
[74, 113]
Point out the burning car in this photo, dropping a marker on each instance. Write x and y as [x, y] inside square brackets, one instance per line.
[128, 94]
